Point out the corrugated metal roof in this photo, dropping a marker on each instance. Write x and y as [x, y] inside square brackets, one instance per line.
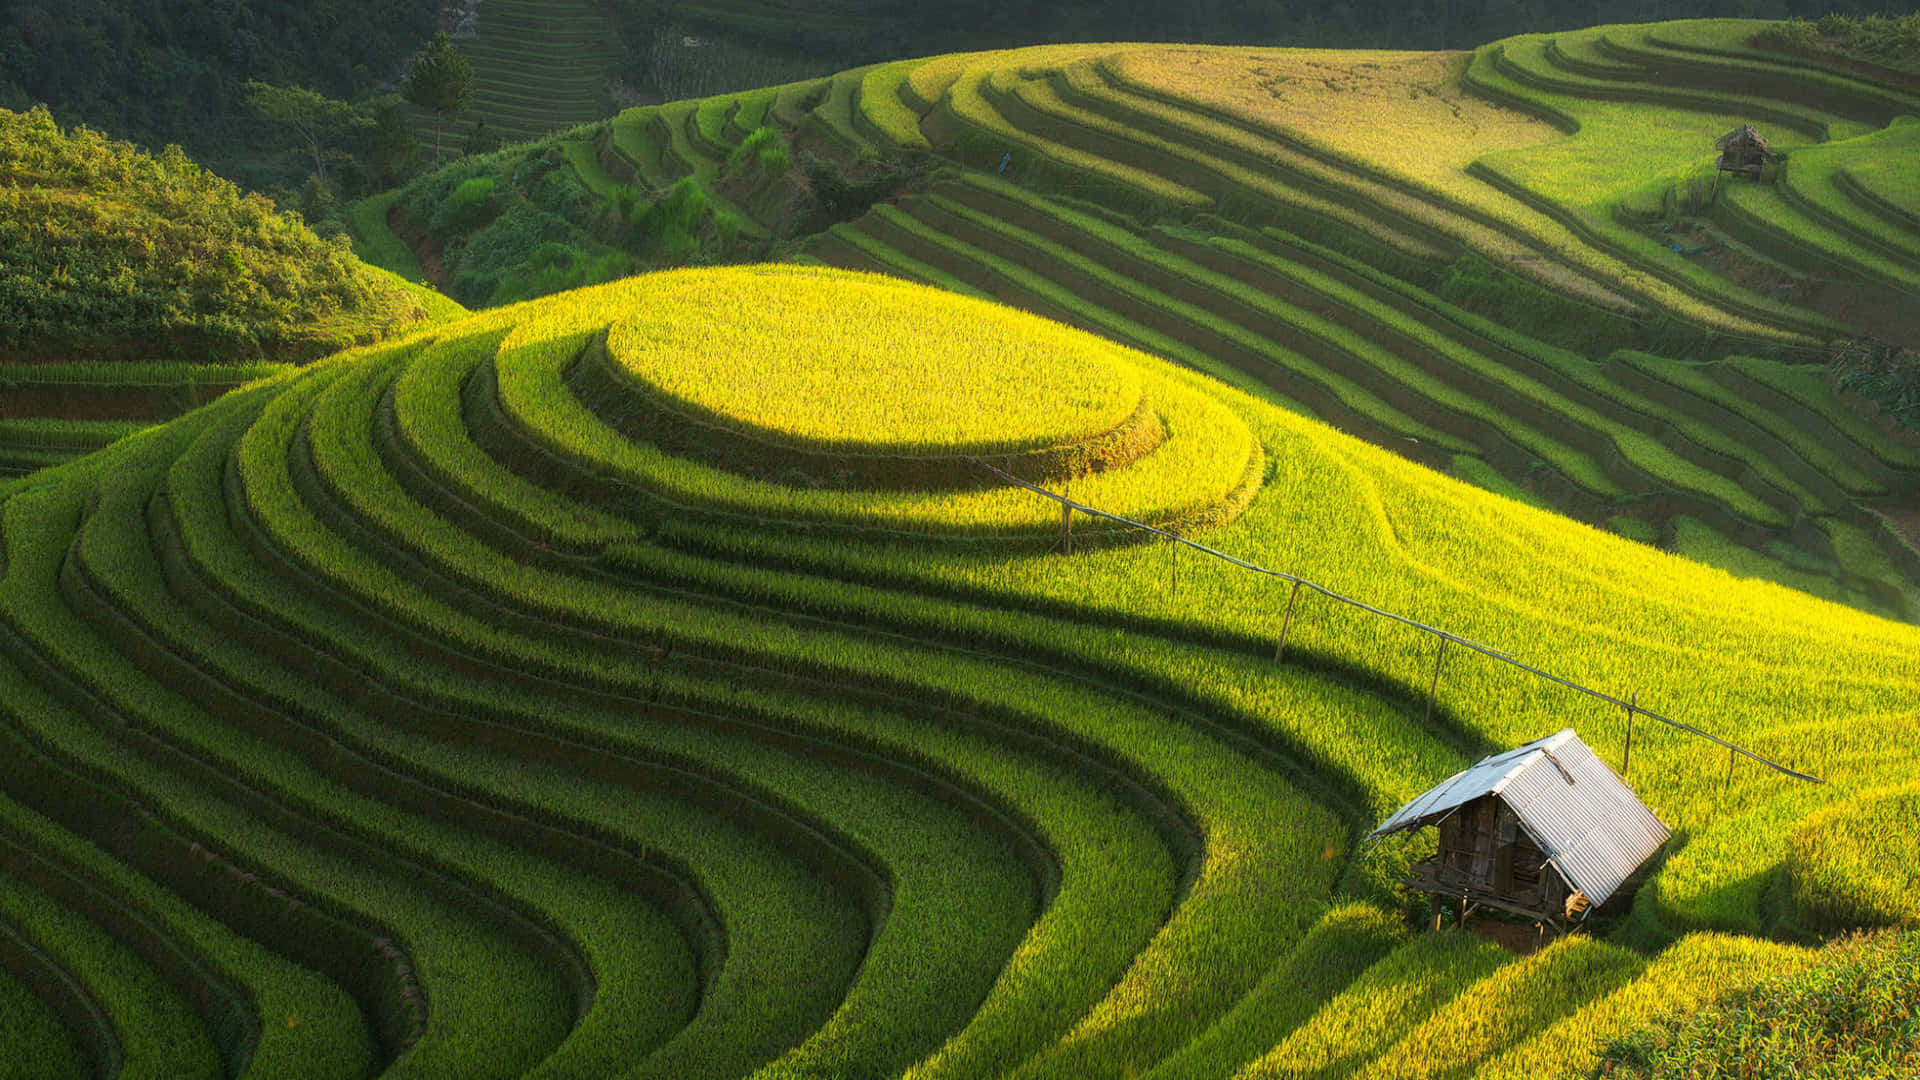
[1586, 819]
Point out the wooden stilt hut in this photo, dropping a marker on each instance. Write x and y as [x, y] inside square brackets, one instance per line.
[1744, 150]
[1546, 831]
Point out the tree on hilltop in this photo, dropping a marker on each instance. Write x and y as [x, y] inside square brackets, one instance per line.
[441, 81]
[310, 116]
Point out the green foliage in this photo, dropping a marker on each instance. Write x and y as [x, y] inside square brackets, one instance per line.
[439, 80]
[1793, 33]
[37, 1046]
[1855, 1012]
[1888, 377]
[555, 267]
[112, 254]
[312, 119]
[668, 229]
[179, 72]
[466, 207]
[1891, 39]
[506, 244]
[1853, 864]
[392, 156]
[763, 148]
[480, 139]
[427, 193]
[561, 193]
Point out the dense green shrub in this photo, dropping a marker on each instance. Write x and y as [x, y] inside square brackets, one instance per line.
[762, 147]
[555, 267]
[509, 241]
[107, 253]
[429, 193]
[561, 193]
[1890, 378]
[177, 72]
[668, 229]
[466, 207]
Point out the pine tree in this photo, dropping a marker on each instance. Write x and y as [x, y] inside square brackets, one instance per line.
[441, 81]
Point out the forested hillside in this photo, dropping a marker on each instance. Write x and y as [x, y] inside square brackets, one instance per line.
[176, 72]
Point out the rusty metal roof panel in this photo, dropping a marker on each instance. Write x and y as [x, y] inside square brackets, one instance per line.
[1590, 824]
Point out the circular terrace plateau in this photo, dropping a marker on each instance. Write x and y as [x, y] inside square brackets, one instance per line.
[867, 383]
[843, 400]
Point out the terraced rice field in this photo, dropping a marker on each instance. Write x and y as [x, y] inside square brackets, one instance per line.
[1279, 217]
[538, 66]
[52, 413]
[647, 681]
[421, 713]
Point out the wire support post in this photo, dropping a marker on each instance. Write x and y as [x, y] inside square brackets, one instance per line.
[1286, 626]
[1068, 506]
[1626, 755]
[1433, 685]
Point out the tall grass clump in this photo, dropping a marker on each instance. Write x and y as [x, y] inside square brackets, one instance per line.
[1857, 863]
[1698, 970]
[764, 149]
[1853, 1014]
[1380, 1006]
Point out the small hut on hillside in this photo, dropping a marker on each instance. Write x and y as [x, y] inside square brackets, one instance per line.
[1546, 831]
[1744, 150]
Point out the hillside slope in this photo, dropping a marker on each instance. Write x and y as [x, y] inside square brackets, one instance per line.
[133, 288]
[525, 696]
[1518, 265]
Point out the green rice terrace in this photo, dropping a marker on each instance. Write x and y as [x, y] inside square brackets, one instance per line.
[133, 288]
[537, 65]
[694, 674]
[1518, 265]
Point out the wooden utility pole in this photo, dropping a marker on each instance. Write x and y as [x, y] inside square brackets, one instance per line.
[1435, 684]
[1288, 624]
[1626, 756]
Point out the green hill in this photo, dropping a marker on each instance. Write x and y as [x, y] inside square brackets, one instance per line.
[1518, 265]
[636, 682]
[680, 676]
[133, 288]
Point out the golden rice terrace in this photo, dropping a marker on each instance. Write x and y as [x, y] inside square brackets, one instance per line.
[653, 680]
